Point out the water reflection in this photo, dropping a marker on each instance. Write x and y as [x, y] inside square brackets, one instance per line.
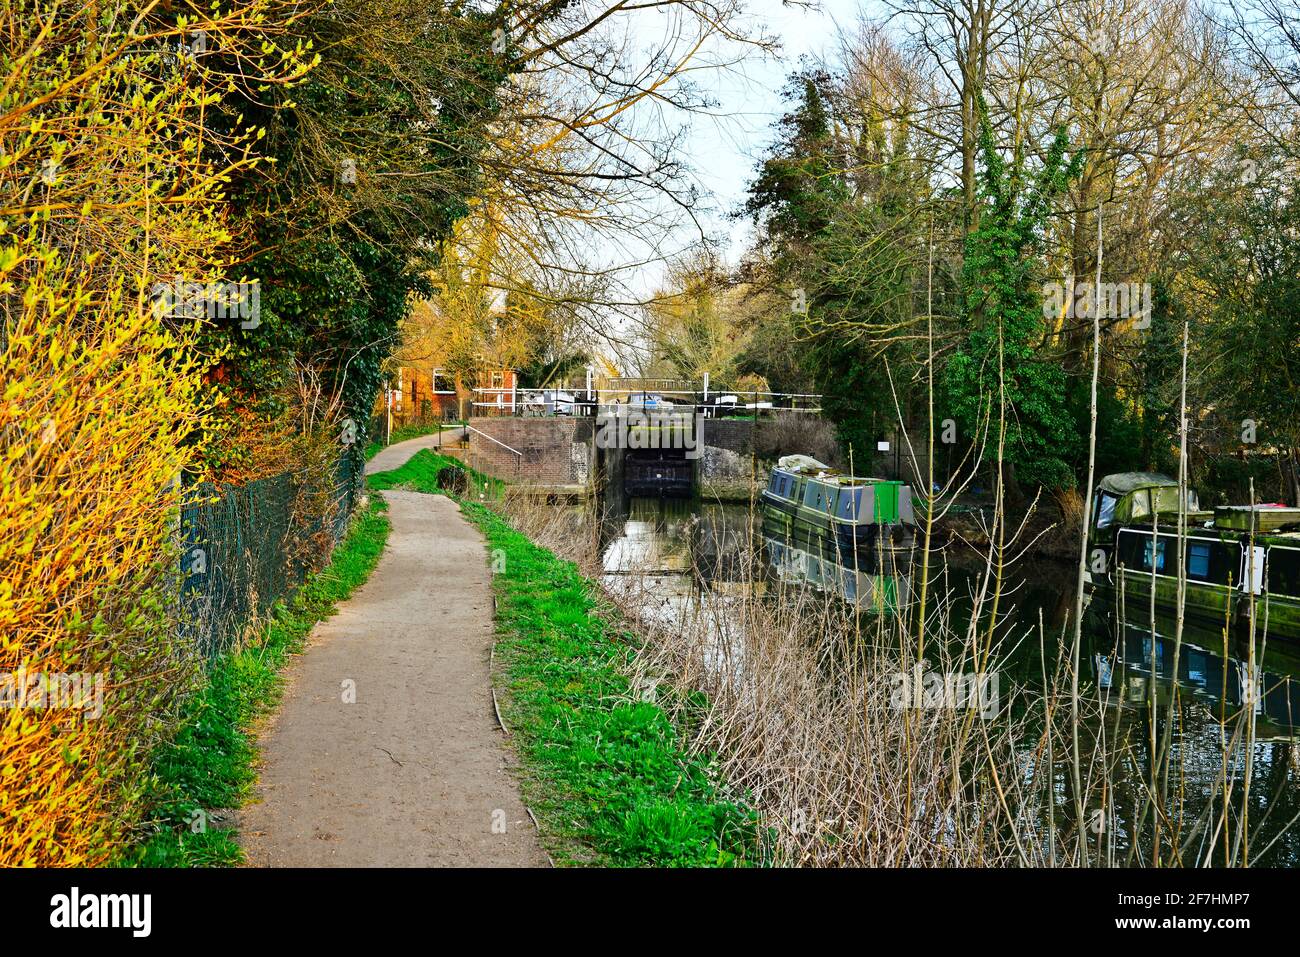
[1216, 680]
[666, 555]
[1220, 695]
[682, 551]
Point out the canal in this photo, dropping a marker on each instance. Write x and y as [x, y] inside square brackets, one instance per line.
[696, 558]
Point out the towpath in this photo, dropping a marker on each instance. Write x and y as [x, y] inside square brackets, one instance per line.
[385, 751]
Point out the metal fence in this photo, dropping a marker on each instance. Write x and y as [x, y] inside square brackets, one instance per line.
[621, 401]
[236, 560]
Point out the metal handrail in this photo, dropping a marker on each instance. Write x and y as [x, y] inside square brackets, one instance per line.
[470, 428]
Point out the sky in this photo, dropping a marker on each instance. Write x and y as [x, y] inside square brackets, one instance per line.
[725, 148]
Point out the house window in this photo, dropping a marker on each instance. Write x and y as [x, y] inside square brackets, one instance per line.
[498, 380]
[1198, 560]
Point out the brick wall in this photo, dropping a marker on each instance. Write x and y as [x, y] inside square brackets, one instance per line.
[555, 451]
[735, 435]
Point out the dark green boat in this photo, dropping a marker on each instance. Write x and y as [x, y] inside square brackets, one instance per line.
[1233, 556]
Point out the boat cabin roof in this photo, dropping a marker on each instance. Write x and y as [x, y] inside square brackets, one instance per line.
[1121, 483]
[805, 466]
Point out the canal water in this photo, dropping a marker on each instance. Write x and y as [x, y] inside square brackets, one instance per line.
[682, 549]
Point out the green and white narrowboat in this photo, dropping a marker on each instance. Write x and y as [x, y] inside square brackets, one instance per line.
[1234, 557]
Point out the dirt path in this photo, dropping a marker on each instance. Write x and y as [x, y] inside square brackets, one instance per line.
[415, 772]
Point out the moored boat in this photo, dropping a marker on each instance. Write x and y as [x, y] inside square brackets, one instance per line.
[845, 534]
[1235, 558]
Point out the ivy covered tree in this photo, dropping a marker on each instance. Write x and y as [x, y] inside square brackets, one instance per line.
[370, 162]
[1000, 365]
[842, 227]
[801, 187]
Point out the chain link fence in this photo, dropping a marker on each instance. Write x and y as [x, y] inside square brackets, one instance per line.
[237, 560]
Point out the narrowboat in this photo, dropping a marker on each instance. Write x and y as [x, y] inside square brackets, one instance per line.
[843, 534]
[1234, 557]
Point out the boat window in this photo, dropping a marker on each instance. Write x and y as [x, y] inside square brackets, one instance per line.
[850, 503]
[1166, 499]
[1106, 509]
[816, 497]
[1130, 548]
[1198, 560]
[1141, 503]
[1160, 555]
[1283, 571]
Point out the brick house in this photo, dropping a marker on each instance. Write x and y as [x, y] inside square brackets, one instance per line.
[496, 392]
[419, 394]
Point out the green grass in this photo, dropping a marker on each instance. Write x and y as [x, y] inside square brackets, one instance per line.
[604, 769]
[401, 434]
[211, 762]
[420, 474]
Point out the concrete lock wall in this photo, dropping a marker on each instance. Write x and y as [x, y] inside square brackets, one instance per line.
[726, 466]
[560, 452]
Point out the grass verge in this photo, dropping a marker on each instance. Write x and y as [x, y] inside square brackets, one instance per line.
[603, 765]
[420, 474]
[210, 763]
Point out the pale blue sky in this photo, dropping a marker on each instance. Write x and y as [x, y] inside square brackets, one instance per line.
[724, 148]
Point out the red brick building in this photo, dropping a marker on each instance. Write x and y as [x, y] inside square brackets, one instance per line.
[497, 392]
[419, 394]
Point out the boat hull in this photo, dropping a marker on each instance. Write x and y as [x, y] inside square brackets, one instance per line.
[865, 546]
[1229, 578]
[868, 591]
[1207, 605]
